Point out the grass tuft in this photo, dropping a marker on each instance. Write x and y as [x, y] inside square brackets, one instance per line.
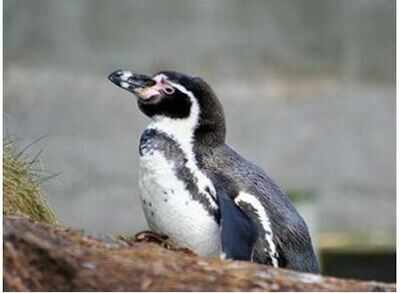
[21, 186]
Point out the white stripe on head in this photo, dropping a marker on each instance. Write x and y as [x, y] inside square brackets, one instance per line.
[182, 131]
[251, 200]
[159, 77]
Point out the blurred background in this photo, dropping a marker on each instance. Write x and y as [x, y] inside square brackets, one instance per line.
[308, 88]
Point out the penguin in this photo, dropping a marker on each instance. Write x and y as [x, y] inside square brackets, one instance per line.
[199, 191]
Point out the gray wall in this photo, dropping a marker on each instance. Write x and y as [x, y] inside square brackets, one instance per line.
[220, 37]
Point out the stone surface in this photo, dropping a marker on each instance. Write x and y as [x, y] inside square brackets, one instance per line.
[40, 257]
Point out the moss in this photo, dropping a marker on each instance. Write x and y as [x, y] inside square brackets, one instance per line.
[21, 189]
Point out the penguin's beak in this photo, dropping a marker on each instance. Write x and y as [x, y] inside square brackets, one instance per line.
[138, 84]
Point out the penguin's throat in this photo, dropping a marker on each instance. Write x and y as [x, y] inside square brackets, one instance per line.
[180, 129]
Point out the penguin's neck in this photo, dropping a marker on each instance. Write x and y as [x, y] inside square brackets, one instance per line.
[180, 130]
[205, 128]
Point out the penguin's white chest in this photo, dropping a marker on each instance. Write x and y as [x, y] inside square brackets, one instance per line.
[170, 209]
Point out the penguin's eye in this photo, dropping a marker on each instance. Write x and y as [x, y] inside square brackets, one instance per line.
[168, 90]
[163, 85]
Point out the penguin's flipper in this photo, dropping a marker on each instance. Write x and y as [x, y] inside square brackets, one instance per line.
[238, 231]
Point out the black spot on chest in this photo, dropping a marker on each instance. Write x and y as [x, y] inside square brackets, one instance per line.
[155, 140]
[148, 141]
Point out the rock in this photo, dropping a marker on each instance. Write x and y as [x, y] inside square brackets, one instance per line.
[42, 257]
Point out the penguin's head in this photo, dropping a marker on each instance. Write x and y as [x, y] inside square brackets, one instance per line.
[174, 96]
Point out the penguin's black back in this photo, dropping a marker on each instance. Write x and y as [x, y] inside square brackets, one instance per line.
[291, 234]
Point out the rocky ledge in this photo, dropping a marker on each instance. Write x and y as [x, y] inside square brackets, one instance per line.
[43, 257]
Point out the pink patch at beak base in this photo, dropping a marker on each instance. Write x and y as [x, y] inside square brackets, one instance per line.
[147, 93]
[161, 86]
